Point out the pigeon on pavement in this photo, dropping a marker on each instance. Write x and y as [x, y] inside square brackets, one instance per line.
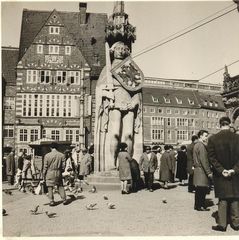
[105, 197]
[164, 200]
[93, 190]
[35, 210]
[111, 205]
[91, 206]
[4, 212]
[50, 215]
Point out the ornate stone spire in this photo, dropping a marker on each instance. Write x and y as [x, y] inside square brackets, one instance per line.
[118, 27]
[226, 80]
[118, 7]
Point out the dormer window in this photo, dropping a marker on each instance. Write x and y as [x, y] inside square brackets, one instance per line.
[68, 50]
[155, 99]
[210, 104]
[179, 101]
[54, 30]
[166, 100]
[205, 103]
[216, 104]
[191, 102]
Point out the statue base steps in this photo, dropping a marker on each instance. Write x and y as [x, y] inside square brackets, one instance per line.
[105, 180]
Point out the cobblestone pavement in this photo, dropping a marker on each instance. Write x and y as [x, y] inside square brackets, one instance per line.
[138, 214]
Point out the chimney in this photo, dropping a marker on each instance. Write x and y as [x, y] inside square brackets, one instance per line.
[82, 8]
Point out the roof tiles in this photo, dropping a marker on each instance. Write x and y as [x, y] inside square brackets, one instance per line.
[9, 62]
[181, 98]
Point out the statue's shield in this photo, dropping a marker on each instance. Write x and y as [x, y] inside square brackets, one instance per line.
[129, 75]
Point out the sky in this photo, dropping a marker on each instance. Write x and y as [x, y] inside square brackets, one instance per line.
[192, 56]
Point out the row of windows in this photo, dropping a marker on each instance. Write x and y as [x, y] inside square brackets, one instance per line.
[49, 105]
[209, 125]
[182, 84]
[30, 135]
[161, 121]
[54, 49]
[170, 111]
[158, 134]
[210, 103]
[55, 77]
[168, 100]
[209, 114]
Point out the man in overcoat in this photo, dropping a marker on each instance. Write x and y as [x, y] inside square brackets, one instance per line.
[166, 167]
[172, 154]
[148, 163]
[54, 165]
[223, 151]
[202, 171]
[190, 147]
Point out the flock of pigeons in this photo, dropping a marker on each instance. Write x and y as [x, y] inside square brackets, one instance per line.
[36, 209]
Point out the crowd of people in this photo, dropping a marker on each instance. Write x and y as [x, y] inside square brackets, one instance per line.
[57, 170]
[204, 164]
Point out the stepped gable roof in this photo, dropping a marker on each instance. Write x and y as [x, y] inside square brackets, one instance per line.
[170, 97]
[89, 37]
[211, 101]
[9, 63]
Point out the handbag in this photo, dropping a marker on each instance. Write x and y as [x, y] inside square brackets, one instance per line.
[38, 189]
[41, 188]
[156, 174]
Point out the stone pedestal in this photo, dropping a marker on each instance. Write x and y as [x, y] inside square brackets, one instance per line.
[105, 180]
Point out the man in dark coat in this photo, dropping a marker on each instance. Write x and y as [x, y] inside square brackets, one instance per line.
[223, 151]
[166, 167]
[172, 154]
[181, 173]
[10, 167]
[54, 166]
[202, 171]
[190, 147]
[148, 163]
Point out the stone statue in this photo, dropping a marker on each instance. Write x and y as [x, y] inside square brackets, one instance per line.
[118, 113]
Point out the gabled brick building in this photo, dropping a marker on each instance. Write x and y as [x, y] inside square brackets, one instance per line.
[61, 55]
[9, 62]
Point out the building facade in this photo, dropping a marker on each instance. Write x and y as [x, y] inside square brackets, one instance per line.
[174, 110]
[61, 54]
[9, 62]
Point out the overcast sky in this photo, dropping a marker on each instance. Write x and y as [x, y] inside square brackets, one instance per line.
[191, 56]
